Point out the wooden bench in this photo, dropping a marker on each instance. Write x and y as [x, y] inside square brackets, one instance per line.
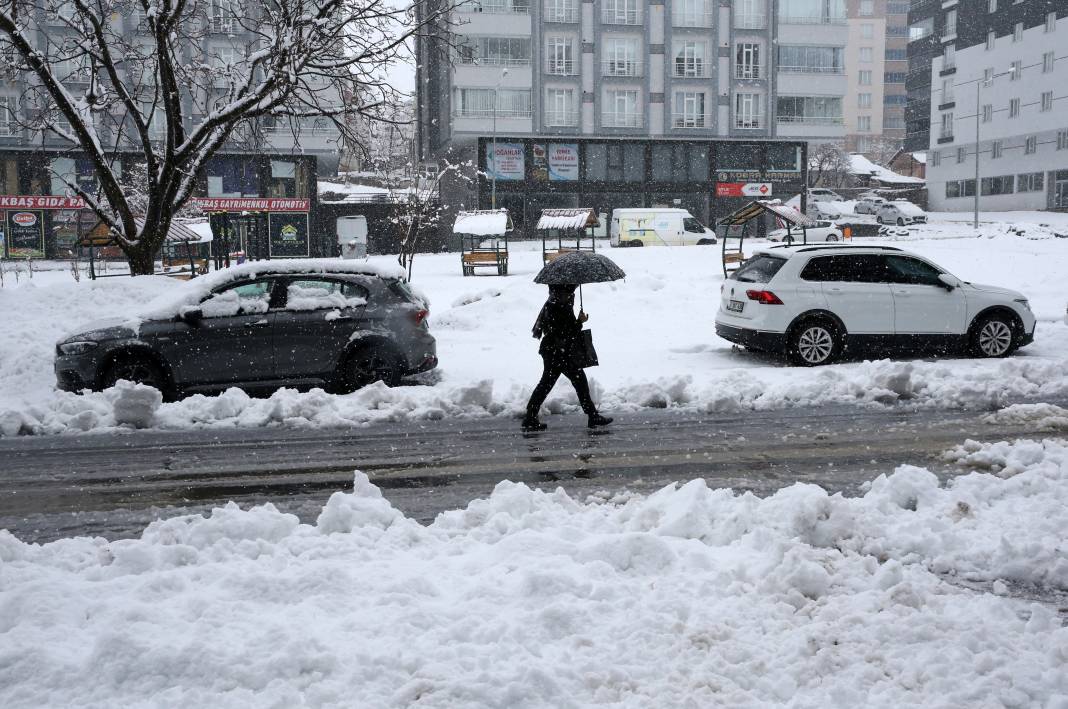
[735, 257]
[497, 259]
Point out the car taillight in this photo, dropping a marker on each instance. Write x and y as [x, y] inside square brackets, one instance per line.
[764, 296]
[419, 316]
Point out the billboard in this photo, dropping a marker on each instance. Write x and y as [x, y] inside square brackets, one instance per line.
[288, 235]
[563, 161]
[506, 161]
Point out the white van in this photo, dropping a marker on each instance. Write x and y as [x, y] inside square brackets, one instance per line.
[658, 227]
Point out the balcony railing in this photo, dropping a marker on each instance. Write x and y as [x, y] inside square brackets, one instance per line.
[621, 17]
[687, 120]
[750, 22]
[691, 70]
[621, 119]
[811, 20]
[810, 120]
[492, 7]
[489, 113]
[561, 67]
[561, 119]
[787, 69]
[749, 122]
[693, 19]
[621, 67]
[493, 61]
[561, 14]
[747, 71]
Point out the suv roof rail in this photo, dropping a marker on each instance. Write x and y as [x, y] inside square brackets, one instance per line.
[841, 246]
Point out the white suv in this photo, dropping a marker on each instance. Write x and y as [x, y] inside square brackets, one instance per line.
[813, 302]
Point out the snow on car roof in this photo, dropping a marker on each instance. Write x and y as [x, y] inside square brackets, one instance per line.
[907, 207]
[195, 290]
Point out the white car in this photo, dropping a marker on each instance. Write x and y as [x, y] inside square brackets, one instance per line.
[823, 231]
[900, 212]
[822, 194]
[869, 205]
[814, 302]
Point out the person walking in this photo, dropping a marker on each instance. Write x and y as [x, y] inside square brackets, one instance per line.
[559, 330]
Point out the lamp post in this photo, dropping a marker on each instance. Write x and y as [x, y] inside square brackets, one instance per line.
[493, 150]
[980, 84]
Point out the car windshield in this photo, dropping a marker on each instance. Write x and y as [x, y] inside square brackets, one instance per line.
[759, 269]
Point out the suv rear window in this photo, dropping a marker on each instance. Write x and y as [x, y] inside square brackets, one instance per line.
[759, 269]
[849, 268]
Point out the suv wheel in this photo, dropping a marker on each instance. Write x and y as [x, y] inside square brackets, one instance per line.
[138, 369]
[367, 365]
[993, 336]
[814, 342]
[832, 237]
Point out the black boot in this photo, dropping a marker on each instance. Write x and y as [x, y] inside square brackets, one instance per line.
[596, 420]
[531, 423]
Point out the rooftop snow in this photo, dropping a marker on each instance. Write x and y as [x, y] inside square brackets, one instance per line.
[568, 218]
[482, 223]
[861, 165]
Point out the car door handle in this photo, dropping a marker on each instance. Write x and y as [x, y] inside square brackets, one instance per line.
[902, 293]
[834, 291]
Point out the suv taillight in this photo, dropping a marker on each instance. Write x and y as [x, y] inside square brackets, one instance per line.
[419, 316]
[764, 296]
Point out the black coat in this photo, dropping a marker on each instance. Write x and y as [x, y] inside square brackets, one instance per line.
[558, 328]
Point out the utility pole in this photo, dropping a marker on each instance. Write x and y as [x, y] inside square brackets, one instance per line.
[493, 150]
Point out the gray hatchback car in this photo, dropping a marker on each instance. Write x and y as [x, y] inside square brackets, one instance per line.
[262, 325]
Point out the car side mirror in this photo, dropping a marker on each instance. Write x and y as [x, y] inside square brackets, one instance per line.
[948, 282]
[191, 315]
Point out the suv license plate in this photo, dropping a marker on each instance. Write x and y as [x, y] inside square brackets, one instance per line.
[735, 306]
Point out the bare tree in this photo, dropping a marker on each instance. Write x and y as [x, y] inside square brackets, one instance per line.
[171, 82]
[423, 211]
[828, 166]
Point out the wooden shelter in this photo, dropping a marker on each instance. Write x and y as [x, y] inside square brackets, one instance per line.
[571, 229]
[483, 240]
[734, 226]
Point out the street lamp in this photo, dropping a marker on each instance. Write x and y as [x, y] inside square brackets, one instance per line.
[979, 85]
[493, 150]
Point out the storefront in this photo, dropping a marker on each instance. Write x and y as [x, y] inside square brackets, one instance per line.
[710, 178]
[40, 226]
[255, 228]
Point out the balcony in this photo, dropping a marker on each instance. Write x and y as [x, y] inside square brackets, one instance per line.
[691, 69]
[811, 20]
[747, 71]
[810, 120]
[562, 14]
[495, 7]
[688, 120]
[693, 19]
[493, 61]
[787, 69]
[749, 122]
[621, 119]
[561, 67]
[561, 119]
[621, 17]
[501, 113]
[621, 68]
[751, 22]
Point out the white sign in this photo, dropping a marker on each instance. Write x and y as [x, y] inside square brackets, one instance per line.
[756, 189]
[506, 160]
[563, 161]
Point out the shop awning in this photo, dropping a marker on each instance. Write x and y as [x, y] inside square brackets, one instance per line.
[487, 222]
[580, 218]
[764, 206]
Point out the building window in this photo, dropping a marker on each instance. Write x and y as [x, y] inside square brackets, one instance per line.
[560, 107]
[867, 8]
[864, 77]
[997, 185]
[864, 124]
[8, 124]
[1062, 140]
[951, 24]
[750, 14]
[896, 55]
[988, 76]
[1051, 22]
[947, 91]
[895, 99]
[897, 8]
[1031, 145]
[1016, 70]
[863, 100]
[692, 13]
[991, 37]
[997, 148]
[949, 57]
[620, 57]
[1030, 182]
[810, 110]
[988, 112]
[1017, 32]
[479, 103]
[867, 31]
[747, 61]
[621, 109]
[620, 12]
[811, 60]
[560, 56]
[894, 77]
[947, 125]
[962, 154]
[1047, 100]
[561, 11]
[992, 6]
[866, 55]
[690, 60]
[936, 158]
[615, 162]
[1014, 108]
[960, 188]
[1047, 62]
[747, 113]
[496, 51]
[812, 12]
[921, 28]
[689, 109]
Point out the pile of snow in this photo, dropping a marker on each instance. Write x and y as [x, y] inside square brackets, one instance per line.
[687, 597]
[1042, 416]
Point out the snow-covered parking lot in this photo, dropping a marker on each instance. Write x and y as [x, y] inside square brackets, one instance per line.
[654, 333]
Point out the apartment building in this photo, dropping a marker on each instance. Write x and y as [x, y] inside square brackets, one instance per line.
[874, 109]
[925, 32]
[999, 106]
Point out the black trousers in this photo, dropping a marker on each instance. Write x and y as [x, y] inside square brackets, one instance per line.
[553, 368]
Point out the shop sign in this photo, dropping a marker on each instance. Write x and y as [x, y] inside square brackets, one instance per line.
[563, 162]
[288, 235]
[743, 189]
[252, 204]
[9, 201]
[25, 234]
[505, 160]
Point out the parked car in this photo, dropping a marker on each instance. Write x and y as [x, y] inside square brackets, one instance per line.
[823, 231]
[900, 212]
[869, 204]
[309, 322]
[815, 302]
[658, 227]
[827, 211]
[822, 194]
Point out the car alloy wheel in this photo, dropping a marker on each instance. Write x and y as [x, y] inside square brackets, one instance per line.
[995, 338]
[136, 370]
[815, 344]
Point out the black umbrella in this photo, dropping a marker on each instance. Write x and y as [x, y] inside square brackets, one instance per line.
[578, 267]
